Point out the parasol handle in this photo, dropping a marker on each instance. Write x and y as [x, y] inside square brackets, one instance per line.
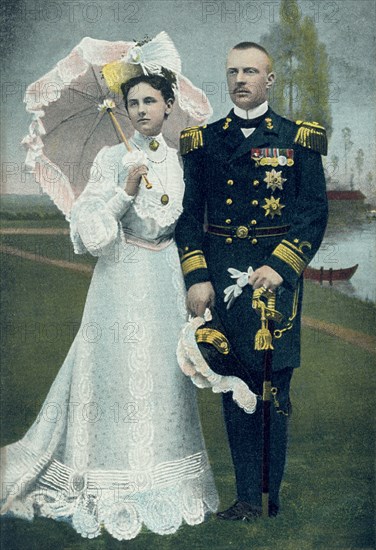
[126, 143]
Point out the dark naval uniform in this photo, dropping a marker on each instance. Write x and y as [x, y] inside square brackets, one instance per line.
[254, 201]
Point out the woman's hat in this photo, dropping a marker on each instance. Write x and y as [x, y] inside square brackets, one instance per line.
[157, 56]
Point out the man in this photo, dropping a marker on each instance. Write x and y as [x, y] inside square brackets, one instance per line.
[259, 179]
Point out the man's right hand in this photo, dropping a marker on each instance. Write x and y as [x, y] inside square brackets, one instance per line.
[200, 296]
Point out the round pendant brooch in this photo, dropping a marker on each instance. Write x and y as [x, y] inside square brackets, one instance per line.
[153, 145]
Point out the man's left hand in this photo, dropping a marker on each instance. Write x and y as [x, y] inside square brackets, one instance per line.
[265, 276]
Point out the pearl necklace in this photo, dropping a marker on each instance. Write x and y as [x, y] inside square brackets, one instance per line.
[165, 199]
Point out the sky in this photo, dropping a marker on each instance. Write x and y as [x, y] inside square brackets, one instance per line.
[37, 34]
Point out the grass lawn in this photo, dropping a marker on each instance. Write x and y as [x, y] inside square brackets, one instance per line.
[59, 222]
[327, 493]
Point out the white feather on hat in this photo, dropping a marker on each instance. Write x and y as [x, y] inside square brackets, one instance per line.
[147, 58]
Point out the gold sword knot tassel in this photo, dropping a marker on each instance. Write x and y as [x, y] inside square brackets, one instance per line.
[263, 338]
[266, 310]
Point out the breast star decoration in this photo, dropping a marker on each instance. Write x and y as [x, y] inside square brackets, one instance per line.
[274, 180]
[272, 207]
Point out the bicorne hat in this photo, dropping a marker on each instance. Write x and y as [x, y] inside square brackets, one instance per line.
[207, 357]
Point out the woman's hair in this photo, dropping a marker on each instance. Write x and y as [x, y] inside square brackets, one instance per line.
[155, 81]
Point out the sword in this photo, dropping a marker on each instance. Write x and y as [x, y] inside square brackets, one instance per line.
[263, 301]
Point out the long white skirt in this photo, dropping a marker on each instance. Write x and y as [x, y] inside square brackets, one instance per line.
[118, 441]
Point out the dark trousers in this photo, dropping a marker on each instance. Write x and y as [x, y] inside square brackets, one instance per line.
[245, 438]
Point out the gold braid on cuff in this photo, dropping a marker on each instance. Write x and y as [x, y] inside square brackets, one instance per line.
[291, 257]
[192, 261]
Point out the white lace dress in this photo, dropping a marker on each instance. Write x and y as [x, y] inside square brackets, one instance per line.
[118, 441]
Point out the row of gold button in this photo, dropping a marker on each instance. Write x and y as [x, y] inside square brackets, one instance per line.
[255, 182]
[229, 221]
[230, 201]
[230, 240]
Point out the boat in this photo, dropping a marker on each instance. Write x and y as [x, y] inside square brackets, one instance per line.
[321, 274]
[345, 195]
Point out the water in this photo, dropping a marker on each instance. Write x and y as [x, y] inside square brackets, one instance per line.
[350, 239]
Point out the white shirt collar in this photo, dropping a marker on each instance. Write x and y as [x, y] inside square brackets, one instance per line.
[251, 113]
[143, 141]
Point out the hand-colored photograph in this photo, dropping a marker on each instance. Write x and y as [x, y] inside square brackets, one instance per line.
[188, 248]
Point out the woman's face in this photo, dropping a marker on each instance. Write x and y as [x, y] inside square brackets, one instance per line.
[147, 109]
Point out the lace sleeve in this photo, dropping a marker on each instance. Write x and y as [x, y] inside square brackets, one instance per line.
[95, 215]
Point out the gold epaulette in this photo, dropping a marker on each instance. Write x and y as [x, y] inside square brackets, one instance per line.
[191, 139]
[312, 136]
[215, 338]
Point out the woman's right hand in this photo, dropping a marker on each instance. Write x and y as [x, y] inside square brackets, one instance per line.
[134, 179]
[135, 163]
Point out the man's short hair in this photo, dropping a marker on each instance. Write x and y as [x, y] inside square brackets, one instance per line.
[255, 46]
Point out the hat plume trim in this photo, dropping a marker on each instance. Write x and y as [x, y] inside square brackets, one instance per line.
[149, 59]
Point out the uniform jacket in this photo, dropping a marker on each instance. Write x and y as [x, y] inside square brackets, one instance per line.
[263, 199]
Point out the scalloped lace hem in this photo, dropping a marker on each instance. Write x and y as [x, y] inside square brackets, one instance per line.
[163, 513]
[121, 502]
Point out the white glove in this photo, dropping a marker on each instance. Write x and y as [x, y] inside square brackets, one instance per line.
[207, 316]
[134, 159]
[232, 292]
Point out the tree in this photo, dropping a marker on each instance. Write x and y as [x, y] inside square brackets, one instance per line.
[332, 170]
[370, 187]
[335, 160]
[282, 43]
[346, 134]
[352, 179]
[290, 15]
[301, 64]
[312, 76]
[359, 161]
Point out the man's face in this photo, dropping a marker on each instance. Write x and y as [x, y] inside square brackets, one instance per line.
[248, 77]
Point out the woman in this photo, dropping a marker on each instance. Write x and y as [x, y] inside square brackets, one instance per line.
[125, 447]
